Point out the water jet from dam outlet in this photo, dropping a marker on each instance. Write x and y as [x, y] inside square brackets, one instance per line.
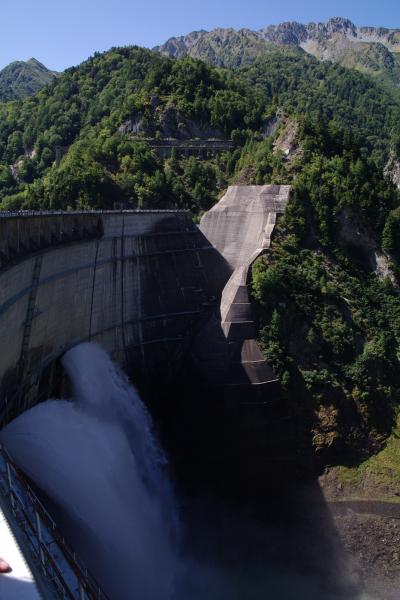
[97, 460]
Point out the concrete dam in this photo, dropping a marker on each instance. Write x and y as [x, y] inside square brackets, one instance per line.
[136, 283]
[141, 284]
[168, 300]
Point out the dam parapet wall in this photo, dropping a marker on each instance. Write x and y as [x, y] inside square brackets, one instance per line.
[24, 232]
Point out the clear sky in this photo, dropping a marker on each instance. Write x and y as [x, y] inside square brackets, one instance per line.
[62, 33]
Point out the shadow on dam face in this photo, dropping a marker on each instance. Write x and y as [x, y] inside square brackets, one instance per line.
[144, 286]
[139, 285]
[250, 500]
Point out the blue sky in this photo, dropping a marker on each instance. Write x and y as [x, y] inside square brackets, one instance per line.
[63, 33]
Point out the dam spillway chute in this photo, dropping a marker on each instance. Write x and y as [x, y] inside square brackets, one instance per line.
[240, 227]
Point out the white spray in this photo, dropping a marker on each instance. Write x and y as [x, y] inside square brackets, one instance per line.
[98, 461]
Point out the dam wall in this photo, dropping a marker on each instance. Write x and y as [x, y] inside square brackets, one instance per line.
[241, 223]
[170, 302]
[251, 432]
[139, 283]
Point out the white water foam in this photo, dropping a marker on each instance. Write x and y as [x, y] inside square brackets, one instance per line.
[98, 461]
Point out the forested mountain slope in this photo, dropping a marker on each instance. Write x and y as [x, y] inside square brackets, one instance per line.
[88, 107]
[85, 109]
[20, 79]
[327, 293]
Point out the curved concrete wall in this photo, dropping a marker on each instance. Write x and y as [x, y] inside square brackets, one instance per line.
[142, 284]
[138, 283]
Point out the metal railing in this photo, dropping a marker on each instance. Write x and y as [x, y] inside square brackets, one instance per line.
[73, 213]
[191, 143]
[61, 567]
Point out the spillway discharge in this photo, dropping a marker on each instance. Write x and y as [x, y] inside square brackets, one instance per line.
[98, 461]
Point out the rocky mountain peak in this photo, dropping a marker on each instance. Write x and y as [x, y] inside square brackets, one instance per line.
[290, 32]
[36, 63]
[374, 50]
[340, 24]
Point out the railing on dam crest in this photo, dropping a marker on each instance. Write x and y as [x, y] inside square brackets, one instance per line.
[25, 232]
[56, 213]
[45, 548]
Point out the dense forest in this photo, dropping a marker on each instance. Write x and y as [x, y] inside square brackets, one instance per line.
[83, 110]
[329, 317]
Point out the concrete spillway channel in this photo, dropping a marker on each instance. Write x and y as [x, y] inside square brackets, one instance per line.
[150, 287]
[240, 227]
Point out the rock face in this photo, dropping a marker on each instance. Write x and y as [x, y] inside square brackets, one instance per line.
[287, 142]
[392, 169]
[368, 49]
[170, 123]
[20, 79]
[220, 47]
[355, 233]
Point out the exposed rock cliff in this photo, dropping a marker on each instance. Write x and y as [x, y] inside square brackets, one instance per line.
[167, 122]
[392, 169]
[219, 47]
[354, 233]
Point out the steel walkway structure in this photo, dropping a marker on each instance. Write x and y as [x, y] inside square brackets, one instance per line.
[44, 566]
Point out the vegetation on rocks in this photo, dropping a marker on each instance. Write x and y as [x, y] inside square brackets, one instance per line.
[328, 324]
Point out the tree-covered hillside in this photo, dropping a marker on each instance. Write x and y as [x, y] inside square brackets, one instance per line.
[20, 79]
[83, 111]
[328, 299]
[327, 293]
[81, 117]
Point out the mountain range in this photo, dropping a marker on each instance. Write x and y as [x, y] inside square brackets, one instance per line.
[374, 50]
